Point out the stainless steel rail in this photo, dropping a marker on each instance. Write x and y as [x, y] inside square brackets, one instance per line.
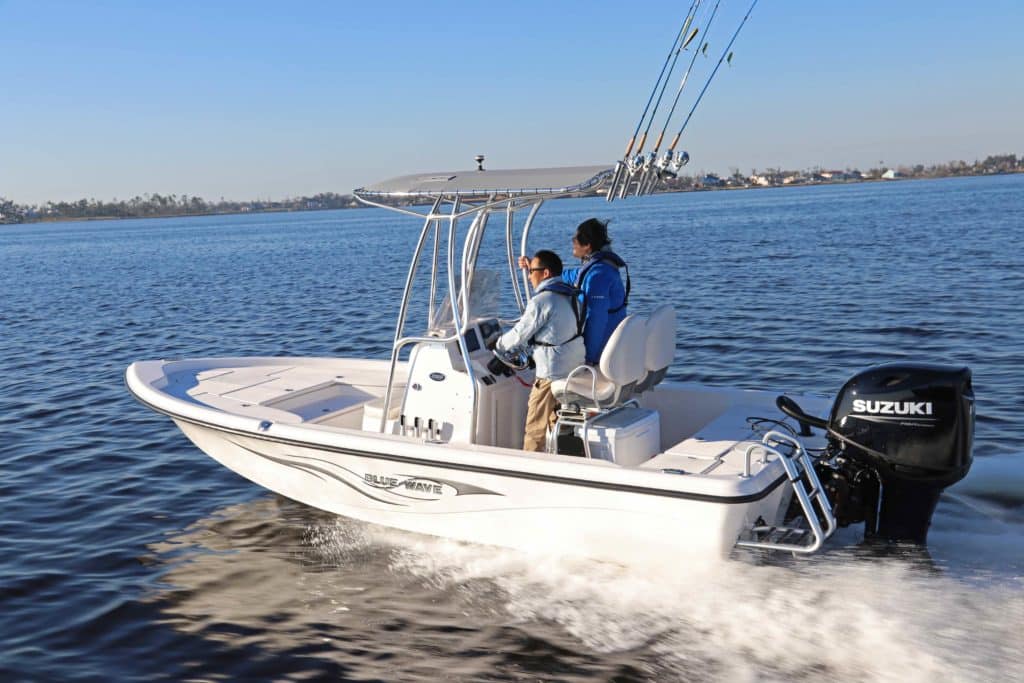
[513, 270]
[403, 311]
[798, 466]
[432, 304]
[523, 200]
[522, 247]
[459, 292]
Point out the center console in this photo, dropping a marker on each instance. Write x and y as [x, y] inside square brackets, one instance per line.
[438, 400]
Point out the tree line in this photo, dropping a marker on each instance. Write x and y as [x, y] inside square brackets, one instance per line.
[152, 205]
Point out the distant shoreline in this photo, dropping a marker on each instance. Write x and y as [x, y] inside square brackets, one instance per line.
[341, 202]
[76, 219]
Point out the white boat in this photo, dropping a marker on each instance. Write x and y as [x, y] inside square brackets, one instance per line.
[430, 440]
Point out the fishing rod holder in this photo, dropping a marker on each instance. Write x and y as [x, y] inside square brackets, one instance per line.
[641, 175]
[628, 177]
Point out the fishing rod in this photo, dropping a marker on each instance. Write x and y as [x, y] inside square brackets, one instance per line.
[682, 42]
[621, 167]
[639, 166]
[725, 52]
[652, 168]
[641, 173]
[682, 82]
[668, 57]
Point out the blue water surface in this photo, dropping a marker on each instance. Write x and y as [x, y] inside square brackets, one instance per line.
[127, 554]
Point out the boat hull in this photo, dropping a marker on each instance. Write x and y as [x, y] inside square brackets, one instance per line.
[430, 494]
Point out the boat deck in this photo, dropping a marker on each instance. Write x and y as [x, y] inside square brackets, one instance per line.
[286, 393]
[705, 432]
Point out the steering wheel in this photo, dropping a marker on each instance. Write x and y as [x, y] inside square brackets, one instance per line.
[514, 360]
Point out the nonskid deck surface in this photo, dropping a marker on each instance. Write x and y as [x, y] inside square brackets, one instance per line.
[705, 432]
[302, 391]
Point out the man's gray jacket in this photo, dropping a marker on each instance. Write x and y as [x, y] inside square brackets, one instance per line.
[549, 318]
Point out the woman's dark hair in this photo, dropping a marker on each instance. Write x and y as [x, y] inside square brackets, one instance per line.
[550, 260]
[593, 233]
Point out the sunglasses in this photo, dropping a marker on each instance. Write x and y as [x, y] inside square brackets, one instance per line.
[536, 270]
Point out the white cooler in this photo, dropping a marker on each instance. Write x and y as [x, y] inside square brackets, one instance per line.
[627, 437]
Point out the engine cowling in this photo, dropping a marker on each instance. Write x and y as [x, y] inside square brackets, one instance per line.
[898, 435]
[913, 425]
[913, 421]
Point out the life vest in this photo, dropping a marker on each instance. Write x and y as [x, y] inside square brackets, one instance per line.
[611, 258]
[578, 310]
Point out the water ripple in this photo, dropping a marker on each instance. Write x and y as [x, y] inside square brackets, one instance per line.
[128, 554]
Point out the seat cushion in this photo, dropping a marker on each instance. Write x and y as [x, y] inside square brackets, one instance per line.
[622, 360]
[579, 388]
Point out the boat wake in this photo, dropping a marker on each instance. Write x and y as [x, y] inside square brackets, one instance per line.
[854, 613]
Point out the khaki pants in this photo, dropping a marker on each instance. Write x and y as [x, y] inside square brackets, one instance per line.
[540, 414]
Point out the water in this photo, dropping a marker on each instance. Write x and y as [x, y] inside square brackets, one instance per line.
[127, 554]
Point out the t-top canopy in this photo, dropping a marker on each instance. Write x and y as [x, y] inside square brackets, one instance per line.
[501, 183]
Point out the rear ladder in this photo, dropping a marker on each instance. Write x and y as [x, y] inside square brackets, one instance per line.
[808, 490]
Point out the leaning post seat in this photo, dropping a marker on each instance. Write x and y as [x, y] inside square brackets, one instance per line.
[621, 367]
[661, 346]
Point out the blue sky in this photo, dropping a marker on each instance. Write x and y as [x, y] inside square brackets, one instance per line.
[266, 100]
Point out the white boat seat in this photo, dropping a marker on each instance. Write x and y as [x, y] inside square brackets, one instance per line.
[584, 385]
[661, 346]
[621, 367]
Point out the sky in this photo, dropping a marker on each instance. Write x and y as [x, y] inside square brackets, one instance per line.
[262, 100]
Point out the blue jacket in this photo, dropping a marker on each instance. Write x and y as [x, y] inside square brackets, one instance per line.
[602, 293]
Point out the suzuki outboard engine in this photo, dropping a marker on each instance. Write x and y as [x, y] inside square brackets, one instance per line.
[898, 434]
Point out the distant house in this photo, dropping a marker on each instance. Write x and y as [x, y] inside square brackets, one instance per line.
[711, 180]
[892, 174]
[760, 180]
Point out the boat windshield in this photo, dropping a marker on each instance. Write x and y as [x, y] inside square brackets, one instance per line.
[485, 291]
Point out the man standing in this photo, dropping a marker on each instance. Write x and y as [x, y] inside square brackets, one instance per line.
[603, 294]
[549, 329]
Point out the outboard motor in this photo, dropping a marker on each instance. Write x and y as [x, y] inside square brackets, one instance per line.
[898, 434]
